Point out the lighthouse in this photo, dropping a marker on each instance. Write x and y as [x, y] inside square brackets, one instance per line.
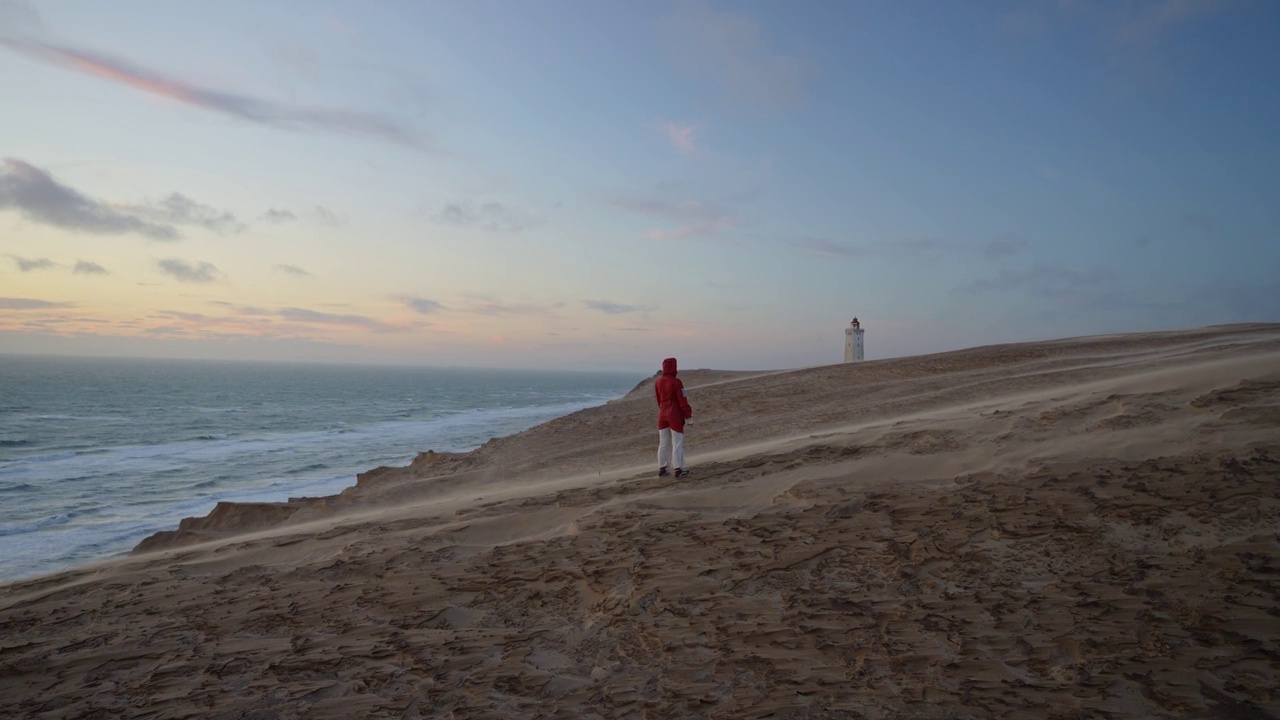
[853, 342]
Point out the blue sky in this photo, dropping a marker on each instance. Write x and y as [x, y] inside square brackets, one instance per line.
[600, 185]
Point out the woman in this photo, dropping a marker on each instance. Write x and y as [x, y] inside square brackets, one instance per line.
[673, 410]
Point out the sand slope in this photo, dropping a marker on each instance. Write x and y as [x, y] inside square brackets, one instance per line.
[1080, 528]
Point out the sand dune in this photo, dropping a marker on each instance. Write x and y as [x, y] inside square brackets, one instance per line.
[1079, 528]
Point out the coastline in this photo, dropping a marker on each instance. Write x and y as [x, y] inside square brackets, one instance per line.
[1078, 526]
[96, 455]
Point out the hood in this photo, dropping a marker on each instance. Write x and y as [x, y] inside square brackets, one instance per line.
[669, 367]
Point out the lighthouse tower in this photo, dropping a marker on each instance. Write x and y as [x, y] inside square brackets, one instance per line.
[853, 342]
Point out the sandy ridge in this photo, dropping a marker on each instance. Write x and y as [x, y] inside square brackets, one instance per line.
[1083, 528]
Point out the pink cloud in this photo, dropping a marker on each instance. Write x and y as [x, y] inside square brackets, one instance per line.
[681, 136]
[242, 107]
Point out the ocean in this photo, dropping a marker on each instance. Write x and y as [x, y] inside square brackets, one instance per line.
[96, 454]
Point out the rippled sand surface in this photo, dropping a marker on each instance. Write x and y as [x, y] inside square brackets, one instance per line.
[1079, 528]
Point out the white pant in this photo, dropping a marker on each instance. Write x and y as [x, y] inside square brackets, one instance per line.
[670, 445]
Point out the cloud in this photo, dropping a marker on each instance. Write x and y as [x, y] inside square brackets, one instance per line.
[325, 216]
[693, 218]
[84, 267]
[322, 318]
[611, 308]
[243, 309]
[247, 316]
[276, 217]
[492, 216]
[420, 305]
[483, 306]
[292, 270]
[913, 248]
[31, 304]
[29, 264]
[183, 271]
[241, 107]
[191, 317]
[681, 135]
[1045, 280]
[40, 198]
[255, 322]
[1003, 247]
[733, 51]
[178, 209]
[830, 247]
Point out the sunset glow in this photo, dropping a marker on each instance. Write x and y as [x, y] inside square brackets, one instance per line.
[600, 186]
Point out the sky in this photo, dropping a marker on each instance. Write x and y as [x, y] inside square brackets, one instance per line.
[599, 185]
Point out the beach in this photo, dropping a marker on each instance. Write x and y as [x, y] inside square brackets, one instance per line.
[1077, 528]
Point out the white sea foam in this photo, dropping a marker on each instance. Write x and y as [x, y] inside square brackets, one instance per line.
[73, 492]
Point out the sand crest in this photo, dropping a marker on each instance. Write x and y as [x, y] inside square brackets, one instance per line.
[1079, 528]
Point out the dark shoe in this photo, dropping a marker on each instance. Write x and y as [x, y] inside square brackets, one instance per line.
[681, 472]
[662, 472]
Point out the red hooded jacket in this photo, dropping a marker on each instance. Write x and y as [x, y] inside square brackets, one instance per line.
[673, 408]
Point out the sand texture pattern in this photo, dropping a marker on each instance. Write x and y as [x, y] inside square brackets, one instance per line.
[1082, 528]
